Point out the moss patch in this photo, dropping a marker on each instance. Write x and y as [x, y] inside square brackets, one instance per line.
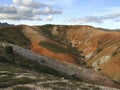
[54, 47]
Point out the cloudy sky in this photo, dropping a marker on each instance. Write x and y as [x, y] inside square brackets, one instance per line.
[98, 13]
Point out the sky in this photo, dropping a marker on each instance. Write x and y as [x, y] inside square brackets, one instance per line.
[97, 13]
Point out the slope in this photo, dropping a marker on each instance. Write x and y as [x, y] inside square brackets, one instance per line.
[47, 47]
[101, 48]
[65, 69]
[22, 73]
[98, 48]
[14, 35]
[95, 48]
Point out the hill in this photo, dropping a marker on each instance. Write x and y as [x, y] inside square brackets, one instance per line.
[25, 70]
[84, 46]
[99, 49]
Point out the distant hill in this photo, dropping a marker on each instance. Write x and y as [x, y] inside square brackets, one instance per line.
[5, 24]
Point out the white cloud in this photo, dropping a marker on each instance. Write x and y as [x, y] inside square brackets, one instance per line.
[49, 18]
[27, 10]
[29, 3]
[8, 9]
[36, 17]
[17, 1]
[94, 19]
[47, 10]
[66, 3]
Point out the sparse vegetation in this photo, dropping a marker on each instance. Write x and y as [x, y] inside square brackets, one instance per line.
[26, 64]
[25, 69]
[21, 88]
[75, 51]
[10, 81]
[47, 31]
[14, 35]
[54, 47]
[9, 50]
[16, 66]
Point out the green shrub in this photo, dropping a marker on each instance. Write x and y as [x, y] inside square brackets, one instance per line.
[46, 29]
[9, 53]
[9, 50]
[22, 80]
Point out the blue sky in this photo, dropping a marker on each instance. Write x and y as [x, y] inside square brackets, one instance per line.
[97, 13]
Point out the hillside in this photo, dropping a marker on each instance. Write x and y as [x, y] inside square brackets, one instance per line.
[85, 46]
[100, 49]
[14, 35]
[39, 41]
[21, 72]
[27, 70]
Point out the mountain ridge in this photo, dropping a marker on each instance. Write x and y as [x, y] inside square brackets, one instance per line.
[6, 24]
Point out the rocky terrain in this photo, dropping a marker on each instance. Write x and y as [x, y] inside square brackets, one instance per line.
[35, 36]
[30, 71]
[98, 48]
[92, 51]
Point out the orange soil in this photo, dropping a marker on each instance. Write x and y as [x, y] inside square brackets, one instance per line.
[85, 38]
[62, 57]
[36, 37]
